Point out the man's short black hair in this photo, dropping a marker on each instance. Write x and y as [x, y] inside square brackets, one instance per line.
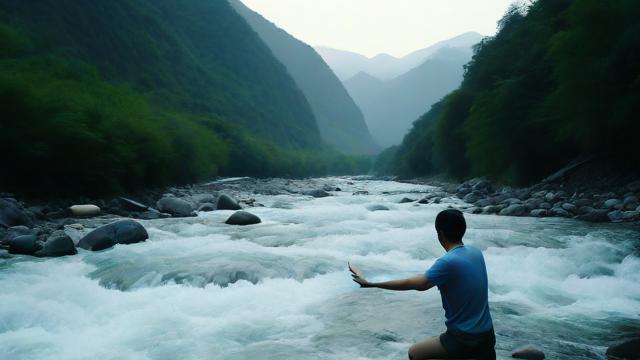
[451, 224]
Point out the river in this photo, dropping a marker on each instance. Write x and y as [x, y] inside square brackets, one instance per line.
[200, 289]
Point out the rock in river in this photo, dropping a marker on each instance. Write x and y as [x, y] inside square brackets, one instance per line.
[377, 207]
[175, 207]
[119, 232]
[25, 245]
[243, 218]
[226, 202]
[626, 350]
[57, 246]
[528, 352]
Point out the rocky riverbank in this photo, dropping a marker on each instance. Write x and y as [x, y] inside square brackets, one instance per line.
[57, 227]
[582, 191]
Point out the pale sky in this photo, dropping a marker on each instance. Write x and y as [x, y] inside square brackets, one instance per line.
[370, 27]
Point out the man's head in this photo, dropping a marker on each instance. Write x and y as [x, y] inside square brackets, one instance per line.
[451, 226]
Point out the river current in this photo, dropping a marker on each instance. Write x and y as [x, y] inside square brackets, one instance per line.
[200, 289]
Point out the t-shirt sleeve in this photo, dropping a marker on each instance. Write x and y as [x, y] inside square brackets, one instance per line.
[438, 272]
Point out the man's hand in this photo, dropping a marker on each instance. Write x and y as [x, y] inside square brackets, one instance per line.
[358, 277]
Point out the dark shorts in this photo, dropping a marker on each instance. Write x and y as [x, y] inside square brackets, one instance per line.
[477, 346]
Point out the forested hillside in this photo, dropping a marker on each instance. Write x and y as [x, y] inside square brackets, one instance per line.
[339, 119]
[106, 96]
[560, 80]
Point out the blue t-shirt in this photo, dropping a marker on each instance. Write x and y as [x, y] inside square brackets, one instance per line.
[461, 277]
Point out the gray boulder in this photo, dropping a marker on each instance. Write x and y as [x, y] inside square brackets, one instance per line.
[57, 246]
[406, 200]
[550, 197]
[491, 209]
[319, 193]
[24, 245]
[207, 207]
[569, 207]
[626, 350]
[483, 186]
[243, 218]
[546, 206]
[361, 192]
[175, 207]
[630, 215]
[472, 197]
[11, 214]
[514, 210]
[19, 230]
[483, 203]
[630, 202]
[539, 213]
[528, 352]
[203, 198]
[558, 211]
[613, 204]
[226, 202]
[119, 232]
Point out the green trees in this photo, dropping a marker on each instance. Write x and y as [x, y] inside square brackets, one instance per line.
[86, 109]
[559, 80]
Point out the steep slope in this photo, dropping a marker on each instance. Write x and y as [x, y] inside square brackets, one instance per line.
[391, 106]
[102, 97]
[339, 119]
[346, 64]
[198, 56]
[560, 81]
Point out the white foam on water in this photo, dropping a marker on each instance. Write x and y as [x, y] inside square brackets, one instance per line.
[277, 290]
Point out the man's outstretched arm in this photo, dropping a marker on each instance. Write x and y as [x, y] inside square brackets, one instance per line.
[419, 283]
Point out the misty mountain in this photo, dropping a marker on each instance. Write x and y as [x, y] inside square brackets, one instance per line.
[346, 64]
[391, 106]
[339, 119]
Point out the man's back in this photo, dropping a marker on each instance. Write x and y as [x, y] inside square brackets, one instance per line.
[461, 277]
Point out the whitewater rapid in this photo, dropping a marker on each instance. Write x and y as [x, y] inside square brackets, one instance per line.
[200, 289]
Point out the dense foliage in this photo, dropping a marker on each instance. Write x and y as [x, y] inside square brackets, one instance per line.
[560, 80]
[72, 122]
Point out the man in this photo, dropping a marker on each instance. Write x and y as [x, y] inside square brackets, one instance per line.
[461, 277]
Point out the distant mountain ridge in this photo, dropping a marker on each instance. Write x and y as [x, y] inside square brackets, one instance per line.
[391, 106]
[346, 64]
[339, 119]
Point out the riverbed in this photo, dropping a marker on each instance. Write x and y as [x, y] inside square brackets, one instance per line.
[201, 289]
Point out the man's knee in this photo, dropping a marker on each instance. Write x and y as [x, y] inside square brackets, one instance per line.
[413, 352]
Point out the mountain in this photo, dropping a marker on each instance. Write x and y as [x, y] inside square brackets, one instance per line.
[200, 52]
[391, 106]
[346, 64]
[110, 96]
[339, 119]
[559, 81]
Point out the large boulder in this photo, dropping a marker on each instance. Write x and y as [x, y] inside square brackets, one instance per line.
[57, 246]
[514, 210]
[406, 200]
[528, 352]
[175, 207]
[626, 350]
[243, 218]
[472, 197]
[85, 210]
[119, 232]
[226, 202]
[25, 245]
[483, 186]
[11, 214]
